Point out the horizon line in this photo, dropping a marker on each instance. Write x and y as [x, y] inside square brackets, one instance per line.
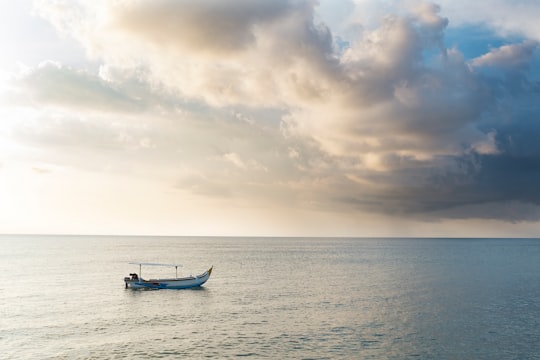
[268, 236]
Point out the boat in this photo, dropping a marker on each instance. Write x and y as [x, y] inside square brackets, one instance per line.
[136, 281]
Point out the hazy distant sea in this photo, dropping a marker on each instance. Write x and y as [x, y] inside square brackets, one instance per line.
[280, 298]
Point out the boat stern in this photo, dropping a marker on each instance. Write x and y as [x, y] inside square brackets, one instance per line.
[132, 280]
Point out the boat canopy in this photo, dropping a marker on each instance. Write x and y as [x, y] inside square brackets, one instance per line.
[156, 264]
[176, 266]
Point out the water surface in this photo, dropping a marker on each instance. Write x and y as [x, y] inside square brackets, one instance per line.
[63, 297]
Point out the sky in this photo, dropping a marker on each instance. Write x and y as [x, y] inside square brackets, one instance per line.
[270, 118]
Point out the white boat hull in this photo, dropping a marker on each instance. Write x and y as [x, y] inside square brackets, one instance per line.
[176, 283]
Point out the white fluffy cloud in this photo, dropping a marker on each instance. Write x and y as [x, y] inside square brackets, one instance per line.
[257, 54]
[265, 101]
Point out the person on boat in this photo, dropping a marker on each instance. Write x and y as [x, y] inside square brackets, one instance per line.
[134, 276]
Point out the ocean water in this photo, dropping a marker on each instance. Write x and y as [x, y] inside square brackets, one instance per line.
[63, 297]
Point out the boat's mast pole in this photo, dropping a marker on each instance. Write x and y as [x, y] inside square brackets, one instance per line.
[176, 266]
[140, 272]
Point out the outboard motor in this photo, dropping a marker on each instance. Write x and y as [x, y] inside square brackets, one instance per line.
[132, 277]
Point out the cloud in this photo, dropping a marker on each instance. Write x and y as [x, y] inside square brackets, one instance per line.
[262, 100]
[247, 52]
[513, 56]
[56, 85]
[204, 27]
[506, 17]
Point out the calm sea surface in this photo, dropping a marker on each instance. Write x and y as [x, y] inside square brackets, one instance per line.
[63, 297]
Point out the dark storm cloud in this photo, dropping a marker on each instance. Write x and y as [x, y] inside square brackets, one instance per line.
[499, 185]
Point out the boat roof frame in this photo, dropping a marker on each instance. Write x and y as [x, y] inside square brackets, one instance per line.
[155, 264]
[176, 266]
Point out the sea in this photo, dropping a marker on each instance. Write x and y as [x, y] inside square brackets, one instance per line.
[63, 297]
